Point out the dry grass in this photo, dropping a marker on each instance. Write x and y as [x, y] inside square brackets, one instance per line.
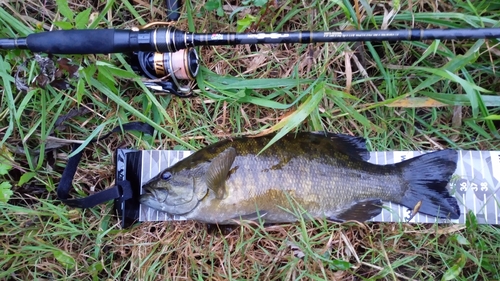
[43, 245]
[41, 239]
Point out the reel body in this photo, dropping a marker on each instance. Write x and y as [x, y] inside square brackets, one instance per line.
[167, 70]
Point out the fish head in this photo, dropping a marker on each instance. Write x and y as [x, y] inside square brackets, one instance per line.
[174, 193]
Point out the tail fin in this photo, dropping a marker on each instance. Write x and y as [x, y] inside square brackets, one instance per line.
[427, 176]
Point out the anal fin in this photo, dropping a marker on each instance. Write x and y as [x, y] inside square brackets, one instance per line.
[361, 211]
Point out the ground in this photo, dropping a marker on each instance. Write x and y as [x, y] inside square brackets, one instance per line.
[420, 95]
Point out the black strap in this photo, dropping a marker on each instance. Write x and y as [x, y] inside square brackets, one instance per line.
[121, 189]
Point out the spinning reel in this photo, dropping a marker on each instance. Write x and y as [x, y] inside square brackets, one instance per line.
[167, 71]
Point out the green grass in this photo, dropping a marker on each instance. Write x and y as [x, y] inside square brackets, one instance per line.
[386, 92]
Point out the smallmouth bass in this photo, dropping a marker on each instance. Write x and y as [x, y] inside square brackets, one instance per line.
[324, 175]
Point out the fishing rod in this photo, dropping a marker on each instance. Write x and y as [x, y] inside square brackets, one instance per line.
[169, 51]
[170, 39]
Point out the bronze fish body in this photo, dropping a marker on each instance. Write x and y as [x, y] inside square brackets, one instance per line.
[318, 175]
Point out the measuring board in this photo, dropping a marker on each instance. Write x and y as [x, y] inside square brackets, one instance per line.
[475, 184]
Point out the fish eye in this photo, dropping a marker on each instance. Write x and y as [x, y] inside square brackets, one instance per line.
[166, 176]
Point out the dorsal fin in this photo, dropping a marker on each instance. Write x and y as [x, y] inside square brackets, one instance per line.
[218, 171]
[352, 146]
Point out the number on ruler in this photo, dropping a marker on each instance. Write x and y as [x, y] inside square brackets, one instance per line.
[484, 186]
[463, 186]
[473, 185]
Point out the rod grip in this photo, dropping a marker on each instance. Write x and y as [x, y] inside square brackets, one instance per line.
[88, 41]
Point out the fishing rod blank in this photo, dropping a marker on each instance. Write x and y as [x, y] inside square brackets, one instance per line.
[161, 40]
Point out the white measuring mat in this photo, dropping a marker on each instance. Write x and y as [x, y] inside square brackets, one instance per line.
[475, 184]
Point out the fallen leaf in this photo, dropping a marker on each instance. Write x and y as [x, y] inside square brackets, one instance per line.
[60, 84]
[65, 65]
[41, 81]
[20, 82]
[348, 72]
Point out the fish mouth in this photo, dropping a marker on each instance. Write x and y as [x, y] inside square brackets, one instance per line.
[148, 192]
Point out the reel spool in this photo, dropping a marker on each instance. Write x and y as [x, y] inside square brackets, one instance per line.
[167, 70]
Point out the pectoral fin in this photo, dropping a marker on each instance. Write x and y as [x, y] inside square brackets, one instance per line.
[218, 171]
[361, 211]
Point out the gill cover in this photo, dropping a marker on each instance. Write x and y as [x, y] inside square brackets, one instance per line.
[173, 194]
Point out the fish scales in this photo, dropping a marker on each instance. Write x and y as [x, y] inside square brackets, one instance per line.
[325, 176]
[317, 187]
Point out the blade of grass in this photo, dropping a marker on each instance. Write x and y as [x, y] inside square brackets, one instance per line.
[133, 11]
[475, 94]
[9, 20]
[445, 19]
[459, 99]
[292, 121]
[102, 14]
[336, 95]
[452, 66]
[7, 80]
[470, 88]
[93, 135]
[137, 113]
